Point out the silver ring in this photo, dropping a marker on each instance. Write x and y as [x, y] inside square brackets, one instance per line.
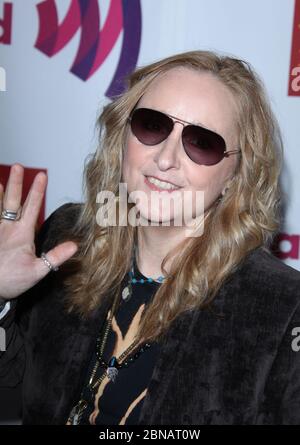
[10, 215]
[47, 262]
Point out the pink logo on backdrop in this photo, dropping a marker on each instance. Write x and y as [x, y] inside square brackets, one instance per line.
[294, 75]
[95, 44]
[286, 246]
[6, 24]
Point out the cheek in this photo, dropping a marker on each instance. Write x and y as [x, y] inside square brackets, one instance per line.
[210, 180]
[132, 162]
[201, 178]
[127, 160]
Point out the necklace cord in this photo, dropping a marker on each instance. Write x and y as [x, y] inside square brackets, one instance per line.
[114, 363]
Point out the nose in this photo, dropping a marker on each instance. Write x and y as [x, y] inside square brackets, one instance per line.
[168, 155]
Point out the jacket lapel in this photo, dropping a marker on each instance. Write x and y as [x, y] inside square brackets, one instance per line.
[83, 342]
[171, 351]
[82, 346]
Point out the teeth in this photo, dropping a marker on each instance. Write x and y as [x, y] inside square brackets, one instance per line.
[162, 184]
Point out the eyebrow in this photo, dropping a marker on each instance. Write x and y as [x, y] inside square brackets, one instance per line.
[186, 122]
[137, 105]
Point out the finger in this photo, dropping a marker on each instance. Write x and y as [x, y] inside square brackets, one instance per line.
[13, 192]
[1, 195]
[34, 199]
[57, 256]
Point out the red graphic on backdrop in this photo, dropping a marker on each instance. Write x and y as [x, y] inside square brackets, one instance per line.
[286, 246]
[96, 41]
[29, 175]
[294, 77]
[6, 24]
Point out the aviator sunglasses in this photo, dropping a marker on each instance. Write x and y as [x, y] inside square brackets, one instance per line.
[203, 146]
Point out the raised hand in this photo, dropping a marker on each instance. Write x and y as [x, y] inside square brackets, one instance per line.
[20, 268]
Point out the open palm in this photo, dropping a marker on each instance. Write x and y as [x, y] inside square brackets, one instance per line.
[20, 268]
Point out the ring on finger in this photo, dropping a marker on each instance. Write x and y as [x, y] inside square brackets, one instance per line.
[10, 215]
[47, 262]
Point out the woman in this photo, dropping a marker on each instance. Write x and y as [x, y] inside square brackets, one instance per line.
[142, 324]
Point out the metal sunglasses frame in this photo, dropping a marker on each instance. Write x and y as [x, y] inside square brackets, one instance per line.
[184, 124]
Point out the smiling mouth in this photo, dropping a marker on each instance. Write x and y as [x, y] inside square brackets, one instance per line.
[156, 184]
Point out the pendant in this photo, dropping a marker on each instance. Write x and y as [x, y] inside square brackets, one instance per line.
[76, 412]
[112, 371]
[75, 419]
[127, 292]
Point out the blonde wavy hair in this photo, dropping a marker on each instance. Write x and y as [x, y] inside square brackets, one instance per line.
[248, 216]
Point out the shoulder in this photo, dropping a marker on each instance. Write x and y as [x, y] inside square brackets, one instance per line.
[263, 261]
[265, 288]
[46, 297]
[262, 270]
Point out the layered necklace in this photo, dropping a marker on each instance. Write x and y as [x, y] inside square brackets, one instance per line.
[113, 366]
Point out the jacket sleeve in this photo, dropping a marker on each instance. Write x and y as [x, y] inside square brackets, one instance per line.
[13, 356]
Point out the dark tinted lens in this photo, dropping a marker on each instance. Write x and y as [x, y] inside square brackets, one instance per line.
[203, 146]
[149, 126]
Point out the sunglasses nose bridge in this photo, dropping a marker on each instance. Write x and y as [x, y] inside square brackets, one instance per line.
[174, 122]
[179, 135]
[171, 146]
[177, 122]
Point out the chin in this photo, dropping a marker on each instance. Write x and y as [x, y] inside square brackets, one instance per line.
[156, 219]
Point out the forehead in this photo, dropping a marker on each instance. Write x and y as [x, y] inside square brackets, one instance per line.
[197, 97]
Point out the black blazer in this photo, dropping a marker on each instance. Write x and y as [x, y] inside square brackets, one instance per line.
[238, 368]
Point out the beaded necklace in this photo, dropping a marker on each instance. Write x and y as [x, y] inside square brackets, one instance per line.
[114, 364]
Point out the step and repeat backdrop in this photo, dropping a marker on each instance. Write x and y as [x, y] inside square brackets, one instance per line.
[61, 61]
